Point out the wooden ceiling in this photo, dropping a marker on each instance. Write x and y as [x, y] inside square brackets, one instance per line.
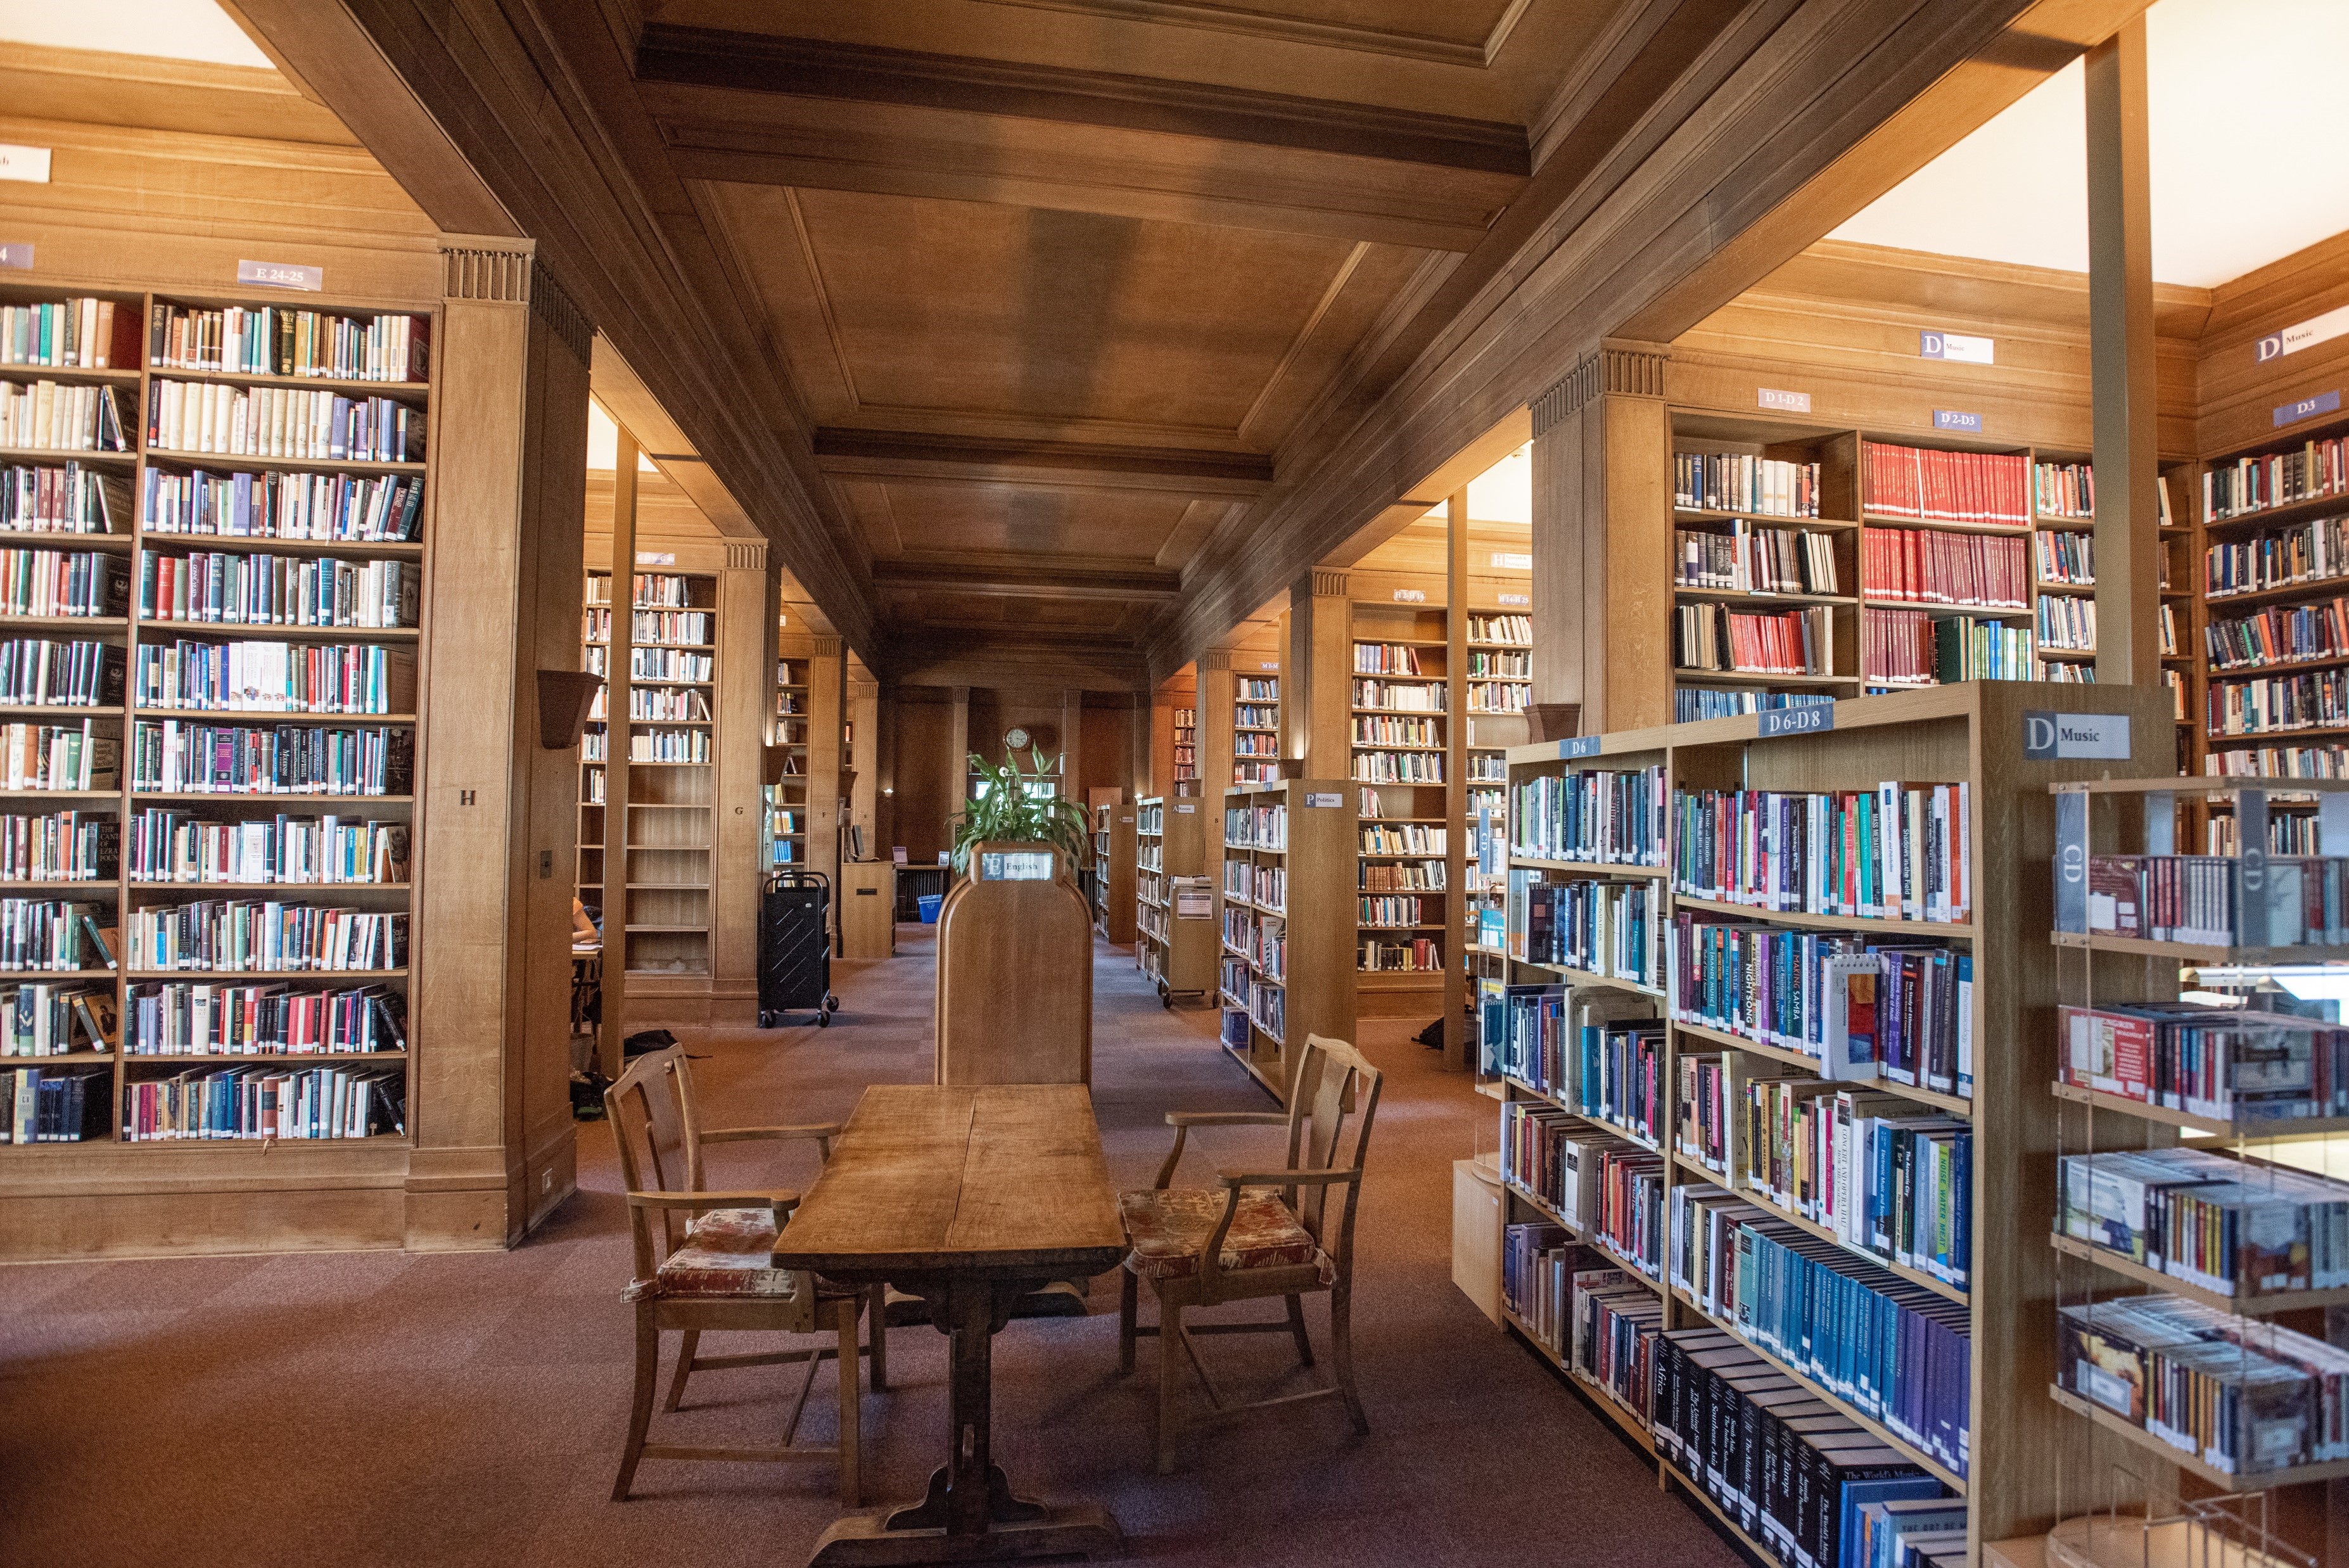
[1070, 331]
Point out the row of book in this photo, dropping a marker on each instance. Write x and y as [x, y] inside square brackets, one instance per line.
[254, 936]
[1753, 560]
[2068, 623]
[2311, 700]
[233, 588]
[2228, 1063]
[276, 340]
[1268, 1008]
[661, 664]
[62, 498]
[165, 845]
[1739, 481]
[257, 1103]
[1499, 696]
[61, 583]
[2235, 1228]
[1614, 928]
[1691, 703]
[1864, 1165]
[1401, 877]
[1264, 826]
[646, 590]
[2065, 490]
[1895, 1012]
[2308, 553]
[1256, 688]
[2280, 635]
[1404, 839]
[1615, 1077]
[2065, 557]
[1500, 662]
[42, 416]
[54, 936]
[1898, 852]
[1398, 767]
[1933, 566]
[1516, 630]
[199, 1018]
[1916, 648]
[212, 417]
[342, 508]
[1264, 745]
[1421, 955]
[55, 1105]
[690, 746]
[46, 1018]
[1606, 1187]
[1781, 643]
[177, 755]
[1400, 696]
[1386, 658]
[73, 334]
[274, 676]
[1267, 886]
[1531, 1033]
[1388, 911]
[1612, 1335]
[1256, 716]
[1385, 730]
[1931, 486]
[2244, 1398]
[1609, 816]
[1813, 1485]
[60, 846]
[1896, 1352]
[2278, 762]
[2309, 472]
[666, 628]
[2212, 899]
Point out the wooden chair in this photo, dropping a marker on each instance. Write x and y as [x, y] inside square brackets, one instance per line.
[703, 1264]
[1259, 1234]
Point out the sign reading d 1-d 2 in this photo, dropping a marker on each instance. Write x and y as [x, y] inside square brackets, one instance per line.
[2085, 737]
[1956, 347]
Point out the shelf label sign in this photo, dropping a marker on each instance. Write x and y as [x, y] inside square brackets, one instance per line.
[2074, 737]
[1324, 802]
[281, 274]
[1579, 746]
[2071, 861]
[30, 164]
[1956, 348]
[1269, 664]
[1185, 808]
[1519, 601]
[1785, 402]
[1511, 561]
[1804, 719]
[18, 255]
[2307, 334]
[656, 557]
[1411, 596]
[1957, 420]
[2307, 408]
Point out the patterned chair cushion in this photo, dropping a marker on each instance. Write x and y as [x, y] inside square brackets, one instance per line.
[1170, 1228]
[728, 1253]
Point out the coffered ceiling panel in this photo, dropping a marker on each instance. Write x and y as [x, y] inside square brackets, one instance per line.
[1124, 525]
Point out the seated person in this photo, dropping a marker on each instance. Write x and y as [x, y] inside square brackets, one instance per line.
[583, 931]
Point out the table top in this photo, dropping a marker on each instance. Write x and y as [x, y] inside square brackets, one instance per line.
[1003, 1179]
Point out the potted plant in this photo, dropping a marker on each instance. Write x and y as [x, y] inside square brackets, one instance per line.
[1007, 815]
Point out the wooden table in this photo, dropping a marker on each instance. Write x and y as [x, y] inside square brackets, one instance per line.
[970, 1198]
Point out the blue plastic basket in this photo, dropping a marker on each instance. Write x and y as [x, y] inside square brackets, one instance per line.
[929, 904]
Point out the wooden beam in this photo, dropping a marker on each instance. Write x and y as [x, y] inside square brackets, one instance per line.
[912, 454]
[619, 659]
[1456, 779]
[1048, 579]
[2121, 363]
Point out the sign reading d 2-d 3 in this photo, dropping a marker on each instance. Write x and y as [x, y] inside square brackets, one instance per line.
[2082, 737]
[1956, 347]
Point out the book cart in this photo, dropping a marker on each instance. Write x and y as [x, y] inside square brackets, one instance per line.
[1287, 846]
[2248, 1106]
[1970, 734]
[1176, 951]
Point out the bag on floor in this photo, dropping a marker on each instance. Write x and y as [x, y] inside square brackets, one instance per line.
[645, 1042]
[588, 1095]
[1431, 1036]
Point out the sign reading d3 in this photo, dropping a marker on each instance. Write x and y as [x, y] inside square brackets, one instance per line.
[1956, 346]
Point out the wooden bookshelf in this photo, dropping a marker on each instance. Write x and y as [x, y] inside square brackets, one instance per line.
[1256, 725]
[1185, 759]
[1400, 708]
[665, 858]
[144, 535]
[786, 799]
[1971, 734]
[1111, 883]
[1178, 955]
[1296, 836]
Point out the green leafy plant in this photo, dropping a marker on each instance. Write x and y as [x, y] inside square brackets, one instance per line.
[1005, 813]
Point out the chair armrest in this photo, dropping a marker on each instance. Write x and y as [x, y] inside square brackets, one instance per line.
[1227, 1118]
[744, 1135]
[1288, 1178]
[781, 1201]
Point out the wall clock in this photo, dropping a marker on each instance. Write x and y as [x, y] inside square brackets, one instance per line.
[1015, 738]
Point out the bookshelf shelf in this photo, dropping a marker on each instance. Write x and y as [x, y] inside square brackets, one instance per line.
[2242, 1306]
[2224, 1480]
[1824, 922]
[2189, 952]
[208, 460]
[2275, 1131]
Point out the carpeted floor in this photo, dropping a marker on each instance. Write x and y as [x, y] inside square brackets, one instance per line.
[378, 1408]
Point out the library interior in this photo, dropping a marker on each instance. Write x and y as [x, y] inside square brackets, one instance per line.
[1604, 494]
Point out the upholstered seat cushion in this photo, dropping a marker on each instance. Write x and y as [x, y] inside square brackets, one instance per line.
[1170, 1228]
[728, 1253]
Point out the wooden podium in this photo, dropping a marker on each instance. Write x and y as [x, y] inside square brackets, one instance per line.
[1015, 971]
[868, 909]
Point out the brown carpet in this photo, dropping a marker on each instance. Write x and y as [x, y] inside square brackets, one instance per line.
[383, 1408]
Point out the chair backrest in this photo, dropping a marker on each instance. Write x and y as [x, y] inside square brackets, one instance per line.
[1331, 1103]
[651, 1111]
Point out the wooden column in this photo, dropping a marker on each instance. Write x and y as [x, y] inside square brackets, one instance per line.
[827, 701]
[886, 833]
[619, 831]
[957, 757]
[1155, 765]
[497, 811]
[2121, 365]
[1602, 541]
[862, 756]
[1072, 745]
[748, 589]
[1318, 664]
[1455, 778]
[1215, 711]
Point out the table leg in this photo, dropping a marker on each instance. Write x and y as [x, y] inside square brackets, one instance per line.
[969, 1513]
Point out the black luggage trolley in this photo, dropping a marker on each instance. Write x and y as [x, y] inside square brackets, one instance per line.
[795, 948]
